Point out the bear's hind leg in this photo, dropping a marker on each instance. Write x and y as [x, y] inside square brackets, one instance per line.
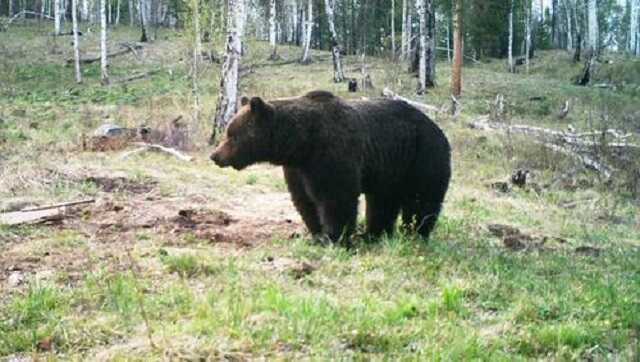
[420, 215]
[302, 201]
[382, 213]
[338, 217]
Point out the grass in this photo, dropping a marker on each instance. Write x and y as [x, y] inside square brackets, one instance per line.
[461, 296]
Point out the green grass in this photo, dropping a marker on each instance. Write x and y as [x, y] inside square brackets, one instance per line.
[155, 293]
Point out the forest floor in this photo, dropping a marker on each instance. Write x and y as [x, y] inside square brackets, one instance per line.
[184, 260]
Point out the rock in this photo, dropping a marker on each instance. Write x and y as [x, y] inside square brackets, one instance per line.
[15, 279]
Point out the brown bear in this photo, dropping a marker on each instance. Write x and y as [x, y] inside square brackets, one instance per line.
[333, 150]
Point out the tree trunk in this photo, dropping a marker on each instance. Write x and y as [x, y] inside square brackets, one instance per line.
[456, 72]
[197, 40]
[76, 41]
[592, 21]
[56, 14]
[131, 15]
[272, 30]
[393, 29]
[511, 65]
[307, 34]
[109, 11]
[338, 76]
[632, 44]
[422, 47]
[405, 32]
[295, 39]
[527, 36]
[117, 13]
[227, 100]
[85, 10]
[567, 8]
[143, 21]
[103, 43]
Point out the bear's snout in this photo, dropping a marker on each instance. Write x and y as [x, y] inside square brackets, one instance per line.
[217, 159]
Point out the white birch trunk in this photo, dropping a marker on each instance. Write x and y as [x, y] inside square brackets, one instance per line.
[103, 43]
[109, 12]
[76, 40]
[632, 44]
[143, 20]
[592, 21]
[567, 8]
[56, 15]
[393, 29]
[197, 41]
[405, 31]
[294, 38]
[338, 76]
[511, 64]
[272, 28]
[85, 10]
[307, 33]
[527, 36]
[227, 100]
[42, 8]
[422, 47]
[117, 12]
[10, 8]
[131, 15]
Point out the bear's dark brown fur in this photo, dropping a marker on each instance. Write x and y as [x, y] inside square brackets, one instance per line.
[333, 150]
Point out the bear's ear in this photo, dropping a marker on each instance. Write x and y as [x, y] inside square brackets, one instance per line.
[244, 101]
[259, 106]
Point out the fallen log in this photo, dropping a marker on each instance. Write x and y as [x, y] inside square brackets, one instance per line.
[572, 144]
[39, 214]
[126, 49]
[136, 77]
[386, 92]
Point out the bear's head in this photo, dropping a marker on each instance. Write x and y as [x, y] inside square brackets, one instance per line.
[247, 137]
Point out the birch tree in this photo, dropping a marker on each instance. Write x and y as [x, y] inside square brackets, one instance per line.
[84, 15]
[405, 32]
[103, 43]
[567, 8]
[511, 65]
[227, 99]
[592, 26]
[527, 34]
[422, 46]
[634, 29]
[76, 41]
[143, 20]
[393, 29]
[338, 76]
[131, 15]
[308, 25]
[272, 30]
[456, 71]
[56, 15]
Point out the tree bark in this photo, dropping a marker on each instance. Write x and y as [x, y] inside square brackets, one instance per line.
[227, 100]
[131, 15]
[117, 22]
[103, 43]
[393, 29]
[307, 33]
[592, 21]
[422, 46]
[56, 14]
[527, 36]
[272, 30]
[338, 75]
[511, 65]
[405, 32]
[143, 20]
[567, 8]
[76, 40]
[632, 44]
[456, 72]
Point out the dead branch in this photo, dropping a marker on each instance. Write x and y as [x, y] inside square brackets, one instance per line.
[586, 160]
[386, 92]
[156, 147]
